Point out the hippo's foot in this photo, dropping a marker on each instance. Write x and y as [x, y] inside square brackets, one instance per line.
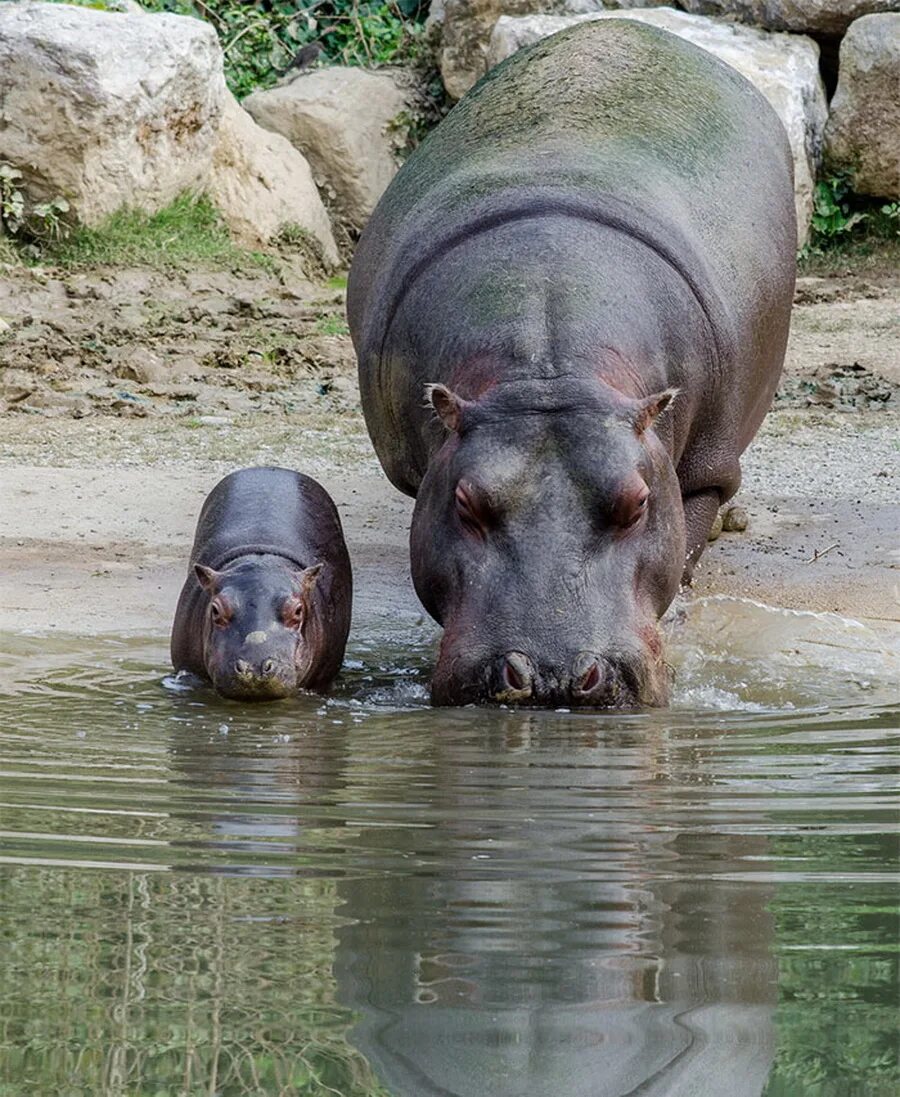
[700, 513]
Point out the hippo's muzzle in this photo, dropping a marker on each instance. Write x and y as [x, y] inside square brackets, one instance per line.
[261, 679]
[620, 681]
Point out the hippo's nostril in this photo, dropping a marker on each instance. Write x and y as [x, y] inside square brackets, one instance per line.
[518, 673]
[268, 668]
[590, 680]
[587, 674]
[242, 667]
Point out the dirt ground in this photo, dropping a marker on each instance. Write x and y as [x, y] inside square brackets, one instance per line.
[125, 395]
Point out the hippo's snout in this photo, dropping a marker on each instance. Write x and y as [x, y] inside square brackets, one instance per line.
[591, 681]
[268, 668]
[264, 679]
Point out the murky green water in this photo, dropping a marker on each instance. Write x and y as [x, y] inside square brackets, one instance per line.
[364, 896]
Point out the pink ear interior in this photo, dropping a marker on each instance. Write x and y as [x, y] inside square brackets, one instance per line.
[447, 404]
[652, 407]
[207, 578]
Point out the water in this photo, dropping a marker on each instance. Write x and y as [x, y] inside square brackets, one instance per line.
[362, 896]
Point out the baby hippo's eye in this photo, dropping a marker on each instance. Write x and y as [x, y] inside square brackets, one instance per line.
[293, 613]
[220, 613]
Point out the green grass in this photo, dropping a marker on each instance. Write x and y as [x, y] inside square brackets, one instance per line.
[331, 325]
[188, 230]
[865, 255]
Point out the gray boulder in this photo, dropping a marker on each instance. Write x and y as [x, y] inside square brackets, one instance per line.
[785, 68]
[107, 109]
[863, 131]
[262, 185]
[831, 17]
[349, 124]
[467, 26]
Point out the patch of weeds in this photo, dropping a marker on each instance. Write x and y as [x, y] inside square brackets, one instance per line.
[848, 227]
[339, 281]
[189, 229]
[331, 325]
[30, 224]
[8, 254]
[295, 240]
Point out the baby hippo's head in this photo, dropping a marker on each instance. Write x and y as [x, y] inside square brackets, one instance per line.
[270, 627]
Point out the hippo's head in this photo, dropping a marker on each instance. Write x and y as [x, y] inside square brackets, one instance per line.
[548, 539]
[263, 635]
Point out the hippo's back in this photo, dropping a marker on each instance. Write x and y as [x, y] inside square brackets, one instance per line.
[613, 121]
[258, 510]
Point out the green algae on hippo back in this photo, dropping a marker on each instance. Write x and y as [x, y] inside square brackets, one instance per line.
[621, 119]
[587, 272]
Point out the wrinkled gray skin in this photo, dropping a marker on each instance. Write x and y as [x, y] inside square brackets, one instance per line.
[606, 220]
[265, 609]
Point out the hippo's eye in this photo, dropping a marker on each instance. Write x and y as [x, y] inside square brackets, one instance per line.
[636, 511]
[471, 509]
[219, 612]
[294, 613]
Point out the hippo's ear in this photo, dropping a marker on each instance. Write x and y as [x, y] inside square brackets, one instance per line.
[305, 581]
[208, 578]
[447, 404]
[649, 409]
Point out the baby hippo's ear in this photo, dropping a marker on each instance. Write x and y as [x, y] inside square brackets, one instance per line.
[649, 409]
[447, 404]
[305, 581]
[209, 579]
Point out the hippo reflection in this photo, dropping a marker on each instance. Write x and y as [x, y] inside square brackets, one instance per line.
[558, 941]
[540, 917]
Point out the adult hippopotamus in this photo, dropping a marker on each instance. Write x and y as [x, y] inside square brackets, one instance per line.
[570, 310]
[265, 609]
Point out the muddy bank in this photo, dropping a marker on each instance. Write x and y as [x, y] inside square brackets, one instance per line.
[128, 394]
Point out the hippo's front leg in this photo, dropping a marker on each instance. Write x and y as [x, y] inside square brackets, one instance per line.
[700, 510]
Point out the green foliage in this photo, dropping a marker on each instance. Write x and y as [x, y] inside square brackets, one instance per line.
[261, 39]
[188, 229]
[34, 225]
[833, 213]
[12, 199]
[842, 217]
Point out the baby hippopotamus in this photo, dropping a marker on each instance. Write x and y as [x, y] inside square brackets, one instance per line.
[265, 609]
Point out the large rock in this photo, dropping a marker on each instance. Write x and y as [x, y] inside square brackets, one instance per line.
[107, 109]
[349, 124]
[261, 184]
[863, 132]
[467, 26]
[828, 17]
[785, 68]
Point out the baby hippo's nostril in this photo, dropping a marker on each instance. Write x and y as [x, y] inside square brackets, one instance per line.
[587, 674]
[268, 668]
[242, 667]
[518, 674]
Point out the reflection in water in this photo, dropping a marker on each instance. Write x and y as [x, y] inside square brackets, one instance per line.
[558, 937]
[364, 897]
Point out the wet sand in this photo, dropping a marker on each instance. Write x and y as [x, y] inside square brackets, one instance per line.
[94, 544]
